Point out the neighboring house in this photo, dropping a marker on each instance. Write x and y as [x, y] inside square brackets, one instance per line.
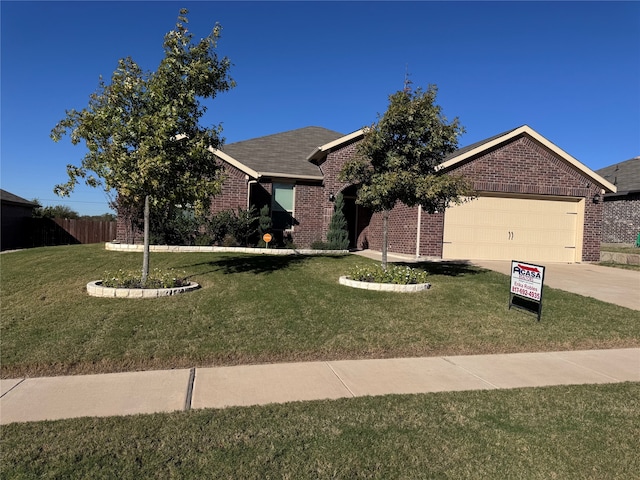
[621, 223]
[535, 201]
[16, 214]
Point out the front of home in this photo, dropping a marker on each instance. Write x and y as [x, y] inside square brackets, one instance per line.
[535, 202]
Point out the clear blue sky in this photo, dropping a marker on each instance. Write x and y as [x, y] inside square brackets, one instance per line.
[569, 70]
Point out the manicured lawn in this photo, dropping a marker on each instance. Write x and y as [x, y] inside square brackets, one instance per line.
[255, 309]
[537, 433]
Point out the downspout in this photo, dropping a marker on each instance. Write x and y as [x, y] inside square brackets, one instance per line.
[249, 182]
[418, 231]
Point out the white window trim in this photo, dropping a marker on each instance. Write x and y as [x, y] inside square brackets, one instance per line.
[293, 202]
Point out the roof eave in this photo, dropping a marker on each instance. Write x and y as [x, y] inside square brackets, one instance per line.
[291, 175]
[235, 163]
[325, 149]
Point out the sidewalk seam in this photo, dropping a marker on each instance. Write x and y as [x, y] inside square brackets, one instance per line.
[189, 398]
[566, 360]
[15, 386]
[471, 373]
[340, 379]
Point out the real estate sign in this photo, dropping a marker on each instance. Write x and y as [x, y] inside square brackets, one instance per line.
[526, 284]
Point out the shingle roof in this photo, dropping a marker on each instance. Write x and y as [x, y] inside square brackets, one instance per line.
[8, 197]
[468, 148]
[282, 153]
[625, 175]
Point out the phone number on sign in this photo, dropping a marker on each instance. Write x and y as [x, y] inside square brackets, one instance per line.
[526, 293]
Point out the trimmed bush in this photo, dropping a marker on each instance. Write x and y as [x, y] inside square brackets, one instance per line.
[395, 274]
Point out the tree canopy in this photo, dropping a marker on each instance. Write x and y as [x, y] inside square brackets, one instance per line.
[398, 158]
[142, 130]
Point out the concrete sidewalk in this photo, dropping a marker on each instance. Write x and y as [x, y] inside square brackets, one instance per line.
[52, 398]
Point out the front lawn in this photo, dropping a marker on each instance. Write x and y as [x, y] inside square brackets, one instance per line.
[585, 431]
[255, 309]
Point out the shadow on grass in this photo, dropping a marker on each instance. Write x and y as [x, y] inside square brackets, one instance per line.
[257, 264]
[447, 269]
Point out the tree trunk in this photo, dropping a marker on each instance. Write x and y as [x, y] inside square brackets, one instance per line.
[385, 237]
[145, 254]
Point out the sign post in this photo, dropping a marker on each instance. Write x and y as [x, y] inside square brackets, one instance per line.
[526, 287]
[267, 238]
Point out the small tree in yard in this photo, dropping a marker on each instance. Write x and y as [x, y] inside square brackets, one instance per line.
[142, 132]
[264, 224]
[398, 158]
[338, 235]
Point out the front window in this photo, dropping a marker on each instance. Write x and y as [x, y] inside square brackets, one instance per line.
[282, 205]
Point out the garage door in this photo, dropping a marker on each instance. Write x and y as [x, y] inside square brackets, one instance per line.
[500, 228]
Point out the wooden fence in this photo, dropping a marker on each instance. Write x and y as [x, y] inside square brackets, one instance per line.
[41, 232]
[88, 231]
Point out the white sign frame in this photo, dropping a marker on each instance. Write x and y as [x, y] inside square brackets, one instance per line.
[527, 281]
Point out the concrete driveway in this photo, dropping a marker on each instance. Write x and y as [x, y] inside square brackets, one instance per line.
[609, 284]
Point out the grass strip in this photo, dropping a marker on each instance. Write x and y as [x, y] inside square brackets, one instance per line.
[588, 431]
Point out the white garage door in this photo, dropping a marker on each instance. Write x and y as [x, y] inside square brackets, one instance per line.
[501, 228]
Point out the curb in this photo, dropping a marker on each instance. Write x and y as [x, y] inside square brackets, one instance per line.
[129, 247]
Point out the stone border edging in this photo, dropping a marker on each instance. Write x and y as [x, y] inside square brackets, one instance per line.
[129, 247]
[622, 258]
[95, 289]
[384, 287]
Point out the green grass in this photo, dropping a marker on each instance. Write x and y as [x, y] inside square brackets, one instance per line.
[624, 266]
[586, 432]
[613, 247]
[255, 309]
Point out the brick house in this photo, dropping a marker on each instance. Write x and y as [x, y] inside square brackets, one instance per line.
[621, 221]
[535, 201]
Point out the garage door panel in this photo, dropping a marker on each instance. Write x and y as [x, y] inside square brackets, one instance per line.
[501, 228]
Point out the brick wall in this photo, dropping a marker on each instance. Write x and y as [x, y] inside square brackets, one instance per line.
[234, 190]
[621, 222]
[308, 214]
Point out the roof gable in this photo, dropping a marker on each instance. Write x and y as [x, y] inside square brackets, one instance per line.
[624, 175]
[278, 155]
[478, 148]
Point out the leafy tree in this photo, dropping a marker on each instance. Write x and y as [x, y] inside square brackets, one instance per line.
[55, 211]
[142, 130]
[338, 234]
[105, 217]
[398, 157]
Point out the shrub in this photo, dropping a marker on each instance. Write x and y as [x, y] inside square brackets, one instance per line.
[338, 234]
[320, 245]
[264, 225]
[243, 225]
[173, 226]
[156, 279]
[396, 274]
